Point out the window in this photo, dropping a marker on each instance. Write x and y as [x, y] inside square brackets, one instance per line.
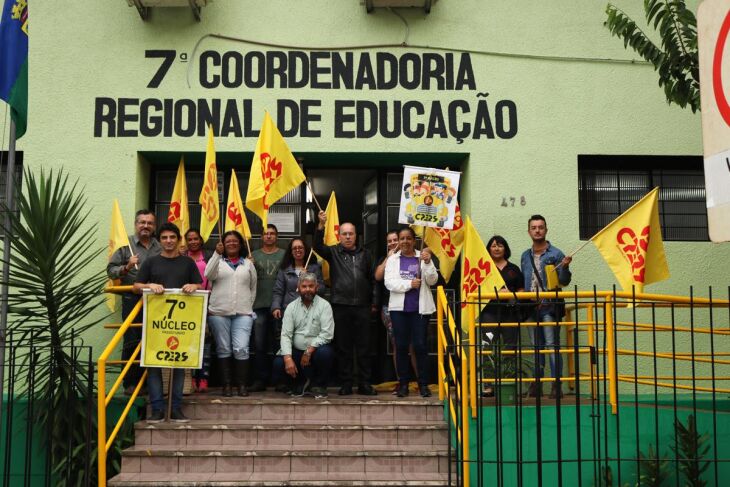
[3, 181]
[609, 185]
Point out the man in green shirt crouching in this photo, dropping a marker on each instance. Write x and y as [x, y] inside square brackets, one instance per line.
[305, 357]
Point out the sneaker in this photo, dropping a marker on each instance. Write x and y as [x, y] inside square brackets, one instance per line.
[301, 390]
[367, 390]
[345, 391]
[424, 390]
[157, 416]
[320, 392]
[402, 390]
[202, 386]
[177, 416]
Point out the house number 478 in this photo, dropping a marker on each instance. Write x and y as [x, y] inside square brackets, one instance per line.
[510, 201]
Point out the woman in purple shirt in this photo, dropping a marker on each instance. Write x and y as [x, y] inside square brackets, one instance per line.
[408, 276]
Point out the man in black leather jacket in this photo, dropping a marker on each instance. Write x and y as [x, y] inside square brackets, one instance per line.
[351, 273]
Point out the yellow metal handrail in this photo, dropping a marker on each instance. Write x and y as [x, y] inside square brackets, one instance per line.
[104, 397]
[462, 383]
[595, 302]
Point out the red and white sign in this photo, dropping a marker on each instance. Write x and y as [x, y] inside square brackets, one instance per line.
[713, 29]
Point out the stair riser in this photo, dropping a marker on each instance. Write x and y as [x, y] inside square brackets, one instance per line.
[278, 465]
[317, 413]
[294, 439]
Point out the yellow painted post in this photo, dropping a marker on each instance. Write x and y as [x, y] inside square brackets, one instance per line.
[472, 362]
[611, 351]
[101, 421]
[440, 344]
[590, 329]
[465, 421]
[569, 345]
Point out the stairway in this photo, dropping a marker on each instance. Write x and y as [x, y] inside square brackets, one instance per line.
[271, 439]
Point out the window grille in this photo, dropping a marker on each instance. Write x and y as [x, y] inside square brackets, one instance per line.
[609, 185]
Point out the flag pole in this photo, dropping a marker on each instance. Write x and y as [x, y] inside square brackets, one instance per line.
[131, 252]
[306, 264]
[309, 185]
[9, 208]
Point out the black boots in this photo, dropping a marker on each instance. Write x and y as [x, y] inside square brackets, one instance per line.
[242, 376]
[224, 366]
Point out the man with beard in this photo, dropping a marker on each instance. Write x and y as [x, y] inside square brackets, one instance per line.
[169, 270]
[123, 266]
[533, 263]
[305, 354]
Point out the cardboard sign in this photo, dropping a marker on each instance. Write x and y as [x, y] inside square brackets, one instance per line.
[713, 27]
[173, 329]
[428, 197]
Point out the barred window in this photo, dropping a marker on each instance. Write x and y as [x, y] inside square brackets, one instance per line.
[4, 181]
[609, 185]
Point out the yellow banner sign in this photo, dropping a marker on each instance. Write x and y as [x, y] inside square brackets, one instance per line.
[173, 329]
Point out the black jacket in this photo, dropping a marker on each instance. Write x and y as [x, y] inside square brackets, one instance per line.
[351, 273]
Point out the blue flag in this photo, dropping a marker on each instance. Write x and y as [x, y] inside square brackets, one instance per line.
[14, 61]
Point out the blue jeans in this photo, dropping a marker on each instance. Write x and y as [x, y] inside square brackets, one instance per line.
[232, 334]
[154, 388]
[410, 328]
[317, 371]
[546, 338]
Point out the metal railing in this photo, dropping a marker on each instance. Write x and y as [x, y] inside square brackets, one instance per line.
[628, 355]
[32, 453]
[105, 397]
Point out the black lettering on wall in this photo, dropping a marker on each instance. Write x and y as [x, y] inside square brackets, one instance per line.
[276, 67]
[105, 112]
[342, 118]
[213, 59]
[511, 129]
[124, 118]
[342, 70]
[150, 125]
[320, 71]
[307, 118]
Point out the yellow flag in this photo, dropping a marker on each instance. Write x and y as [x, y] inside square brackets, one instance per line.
[274, 171]
[632, 245]
[117, 239]
[325, 267]
[478, 269]
[446, 244]
[210, 207]
[332, 227]
[235, 213]
[178, 213]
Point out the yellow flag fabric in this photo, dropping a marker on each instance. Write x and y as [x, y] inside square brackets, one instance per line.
[235, 213]
[325, 267]
[210, 205]
[332, 227]
[632, 245]
[178, 213]
[117, 239]
[446, 244]
[274, 171]
[478, 269]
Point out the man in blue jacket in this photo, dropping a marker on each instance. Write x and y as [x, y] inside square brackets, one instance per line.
[533, 263]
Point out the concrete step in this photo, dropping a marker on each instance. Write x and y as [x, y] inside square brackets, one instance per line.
[334, 410]
[284, 479]
[253, 434]
[235, 459]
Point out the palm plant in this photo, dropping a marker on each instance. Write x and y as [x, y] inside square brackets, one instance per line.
[677, 59]
[53, 289]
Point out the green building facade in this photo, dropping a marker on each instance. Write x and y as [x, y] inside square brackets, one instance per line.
[531, 101]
